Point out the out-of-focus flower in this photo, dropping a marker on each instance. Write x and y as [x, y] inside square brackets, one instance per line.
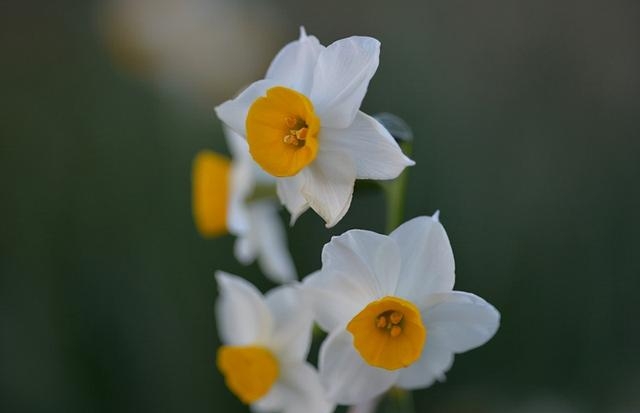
[392, 317]
[303, 124]
[266, 341]
[210, 192]
[225, 198]
[183, 45]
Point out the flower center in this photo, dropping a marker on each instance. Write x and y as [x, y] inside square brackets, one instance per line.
[388, 333]
[282, 131]
[210, 189]
[249, 371]
[298, 130]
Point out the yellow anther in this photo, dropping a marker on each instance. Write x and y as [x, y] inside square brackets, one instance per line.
[395, 331]
[296, 136]
[381, 322]
[396, 317]
[290, 139]
[301, 133]
[290, 121]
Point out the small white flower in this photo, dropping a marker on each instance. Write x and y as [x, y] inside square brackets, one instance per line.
[303, 124]
[222, 201]
[392, 317]
[266, 342]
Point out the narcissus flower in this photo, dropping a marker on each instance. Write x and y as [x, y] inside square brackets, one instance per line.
[225, 200]
[304, 126]
[392, 317]
[266, 341]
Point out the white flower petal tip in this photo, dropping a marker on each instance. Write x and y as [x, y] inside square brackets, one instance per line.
[436, 216]
[329, 186]
[241, 313]
[341, 78]
[391, 312]
[294, 216]
[272, 334]
[233, 112]
[371, 147]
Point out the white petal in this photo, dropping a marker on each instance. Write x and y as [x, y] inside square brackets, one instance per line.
[242, 185]
[242, 315]
[271, 242]
[234, 112]
[245, 248]
[293, 66]
[293, 320]
[456, 322]
[373, 149]
[329, 185]
[297, 390]
[370, 406]
[427, 259]
[461, 321]
[370, 258]
[274, 399]
[335, 297]
[238, 146]
[341, 79]
[347, 378]
[358, 267]
[436, 359]
[290, 194]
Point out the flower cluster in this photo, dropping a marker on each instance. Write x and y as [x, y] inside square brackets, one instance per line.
[386, 301]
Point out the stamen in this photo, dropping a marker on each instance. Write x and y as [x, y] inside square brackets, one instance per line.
[381, 322]
[395, 331]
[301, 133]
[298, 130]
[290, 121]
[396, 317]
[290, 139]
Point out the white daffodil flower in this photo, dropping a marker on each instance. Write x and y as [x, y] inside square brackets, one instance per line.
[266, 342]
[222, 201]
[303, 124]
[392, 317]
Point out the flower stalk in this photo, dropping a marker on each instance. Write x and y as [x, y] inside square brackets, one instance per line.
[397, 401]
[395, 191]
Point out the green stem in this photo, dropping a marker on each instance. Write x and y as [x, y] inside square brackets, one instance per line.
[397, 401]
[261, 192]
[395, 193]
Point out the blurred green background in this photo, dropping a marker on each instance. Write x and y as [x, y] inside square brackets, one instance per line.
[526, 116]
